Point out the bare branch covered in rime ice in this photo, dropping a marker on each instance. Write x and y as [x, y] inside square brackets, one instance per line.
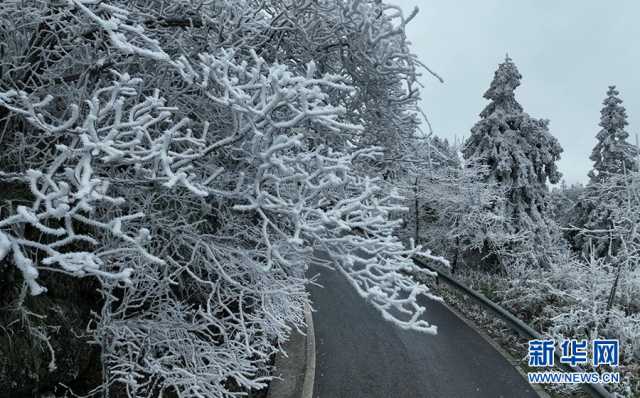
[195, 163]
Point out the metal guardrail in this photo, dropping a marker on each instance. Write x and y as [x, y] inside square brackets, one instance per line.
[595, 390]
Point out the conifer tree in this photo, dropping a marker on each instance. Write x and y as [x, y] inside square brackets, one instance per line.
[519, 152]
[613, 157]
[612, 154]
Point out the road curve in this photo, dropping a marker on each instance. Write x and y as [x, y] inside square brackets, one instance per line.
[359, 355]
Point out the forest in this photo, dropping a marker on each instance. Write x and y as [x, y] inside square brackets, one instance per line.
[170, 169]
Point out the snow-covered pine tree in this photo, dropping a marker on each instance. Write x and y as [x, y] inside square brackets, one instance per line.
[613, 157]
[519, 152]
[612, 154]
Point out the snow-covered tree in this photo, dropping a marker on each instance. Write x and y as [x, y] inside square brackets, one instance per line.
[613, 158]
[455, 210]
[462, 217]
[443, 154]
[519, 152]
[563, 202]
[180, 163]
[366, 43]
[590, 295]
[612, 153]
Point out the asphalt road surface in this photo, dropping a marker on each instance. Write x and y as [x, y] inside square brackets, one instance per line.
[359, 355]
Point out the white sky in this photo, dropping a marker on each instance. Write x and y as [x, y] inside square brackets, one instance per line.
[568, 52]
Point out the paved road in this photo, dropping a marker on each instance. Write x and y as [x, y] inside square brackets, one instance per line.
[359, 355]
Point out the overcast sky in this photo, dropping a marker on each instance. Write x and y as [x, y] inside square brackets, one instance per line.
[568, 52]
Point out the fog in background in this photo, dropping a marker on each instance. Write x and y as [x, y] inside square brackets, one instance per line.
[568, 53]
